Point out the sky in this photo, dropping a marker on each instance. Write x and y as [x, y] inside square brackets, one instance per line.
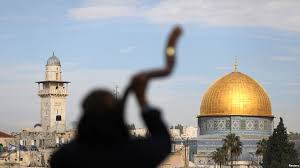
[101, 43]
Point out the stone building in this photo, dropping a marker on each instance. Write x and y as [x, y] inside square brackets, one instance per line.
[51, 131]
[43, 139]
[189, 132]
[175, 133]
[238, 104]
[34, 146]
[53, 92]
[139, 132]
[6, 139]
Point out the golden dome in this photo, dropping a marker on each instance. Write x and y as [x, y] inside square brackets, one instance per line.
[236, 94]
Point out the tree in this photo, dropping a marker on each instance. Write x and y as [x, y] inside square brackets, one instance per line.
[219, 156]
[180, 127]
[1, 148]
[261, 147]
[233, 147]
[294, 136]
[280, 152]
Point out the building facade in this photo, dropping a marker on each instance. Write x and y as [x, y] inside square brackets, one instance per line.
[34, 146]
[53, 92]
[237, 104]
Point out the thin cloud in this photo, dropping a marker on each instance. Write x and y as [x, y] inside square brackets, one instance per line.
[284, 58]
[7, 36]
[293, 84]
[20, 18]
[221, 68]
[104, 9]
[266, 83]
[128, 49]
[101, 12]
[20, 73]
[241, 13]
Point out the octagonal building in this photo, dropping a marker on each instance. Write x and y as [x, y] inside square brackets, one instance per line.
[235, 103]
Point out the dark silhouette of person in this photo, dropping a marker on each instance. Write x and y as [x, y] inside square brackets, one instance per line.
[103, 139]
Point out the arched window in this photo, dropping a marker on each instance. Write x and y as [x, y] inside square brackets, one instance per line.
[58, 118]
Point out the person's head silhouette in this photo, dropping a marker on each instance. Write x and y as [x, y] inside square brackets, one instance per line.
[102, 115]
[99, 101]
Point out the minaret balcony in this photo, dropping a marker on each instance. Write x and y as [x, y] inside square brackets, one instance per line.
[58, 92]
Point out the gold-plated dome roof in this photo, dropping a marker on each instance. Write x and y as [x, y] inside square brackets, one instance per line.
[236, 94]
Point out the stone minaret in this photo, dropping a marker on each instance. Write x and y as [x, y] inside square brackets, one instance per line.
[53, 92]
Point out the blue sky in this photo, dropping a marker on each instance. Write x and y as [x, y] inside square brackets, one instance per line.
[101, 43]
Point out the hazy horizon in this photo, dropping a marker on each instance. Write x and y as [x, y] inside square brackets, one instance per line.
[101, 43]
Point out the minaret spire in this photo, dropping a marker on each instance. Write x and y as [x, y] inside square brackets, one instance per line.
[53, 53]
[236, 64]
[53, 115]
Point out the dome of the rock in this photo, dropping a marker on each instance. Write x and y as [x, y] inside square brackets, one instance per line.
[236, 94]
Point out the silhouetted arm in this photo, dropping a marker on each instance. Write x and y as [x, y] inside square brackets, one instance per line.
[154, 122]
[57, 159]
[155, 148]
